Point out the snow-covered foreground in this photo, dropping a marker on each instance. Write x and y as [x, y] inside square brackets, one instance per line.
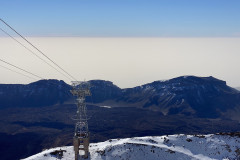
[174, 147]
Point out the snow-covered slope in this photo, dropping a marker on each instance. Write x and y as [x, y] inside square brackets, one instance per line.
[174, 147]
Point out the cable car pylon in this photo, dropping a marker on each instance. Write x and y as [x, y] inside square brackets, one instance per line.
[81, 134]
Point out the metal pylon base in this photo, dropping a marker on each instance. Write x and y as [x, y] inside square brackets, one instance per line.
[81, 143]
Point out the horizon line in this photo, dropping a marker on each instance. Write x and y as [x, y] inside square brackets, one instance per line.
[42, 36]
[126, 87]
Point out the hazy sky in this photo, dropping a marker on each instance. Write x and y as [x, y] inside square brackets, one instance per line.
[129, 42]
[127, 62]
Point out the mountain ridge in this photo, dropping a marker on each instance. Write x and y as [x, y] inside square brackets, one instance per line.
[185, 95]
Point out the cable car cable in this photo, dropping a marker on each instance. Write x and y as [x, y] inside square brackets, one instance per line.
[33, 53]
[18, 72]
[37, 49]
[21, 69]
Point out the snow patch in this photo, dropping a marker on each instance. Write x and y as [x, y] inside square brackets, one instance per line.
[106, 106]
[173, 147]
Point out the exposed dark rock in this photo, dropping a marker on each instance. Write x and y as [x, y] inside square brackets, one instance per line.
[189, 95]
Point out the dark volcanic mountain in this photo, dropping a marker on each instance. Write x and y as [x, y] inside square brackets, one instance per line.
[38, 115]
[40, 93]
[50, 92]
[188, 95]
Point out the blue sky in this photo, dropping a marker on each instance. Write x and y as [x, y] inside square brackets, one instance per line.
[123, 18]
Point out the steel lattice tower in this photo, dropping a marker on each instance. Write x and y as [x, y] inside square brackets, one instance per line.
[81, 134]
